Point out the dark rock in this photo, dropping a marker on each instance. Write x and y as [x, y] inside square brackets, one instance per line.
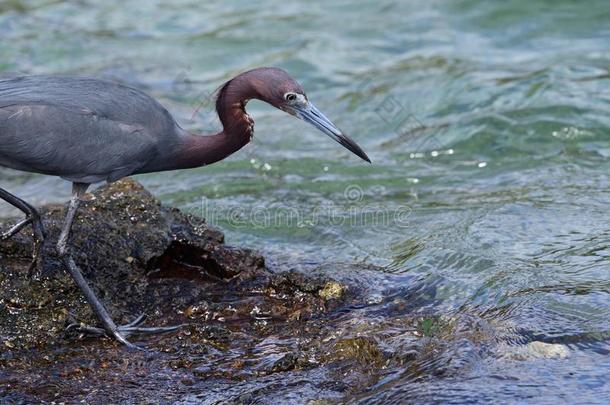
[129, 248]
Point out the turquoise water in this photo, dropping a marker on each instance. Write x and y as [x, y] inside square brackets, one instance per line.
[488, 125]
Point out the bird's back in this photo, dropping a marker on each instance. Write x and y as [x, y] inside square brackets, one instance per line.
[82, 129]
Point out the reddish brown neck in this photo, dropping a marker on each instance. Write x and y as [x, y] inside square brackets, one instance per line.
[238, 127]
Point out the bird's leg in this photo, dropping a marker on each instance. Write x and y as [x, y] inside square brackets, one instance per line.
[31, 217]
[15, 229]
[78, 189]
[109, 328]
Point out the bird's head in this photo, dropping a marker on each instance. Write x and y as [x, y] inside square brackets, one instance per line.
[278, 88]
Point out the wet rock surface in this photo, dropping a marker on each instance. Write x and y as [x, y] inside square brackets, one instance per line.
[251, 334]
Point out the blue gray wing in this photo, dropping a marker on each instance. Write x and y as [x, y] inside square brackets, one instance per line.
[74, 143]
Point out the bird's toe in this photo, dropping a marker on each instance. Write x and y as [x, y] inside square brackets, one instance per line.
[121, 333]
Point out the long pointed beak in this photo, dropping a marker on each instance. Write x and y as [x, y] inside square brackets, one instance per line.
[309, 113]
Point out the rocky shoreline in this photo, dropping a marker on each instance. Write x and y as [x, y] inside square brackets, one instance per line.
[141, 257]
[250, 333]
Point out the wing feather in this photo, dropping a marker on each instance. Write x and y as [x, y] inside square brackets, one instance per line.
[74, 143]
[79, 128]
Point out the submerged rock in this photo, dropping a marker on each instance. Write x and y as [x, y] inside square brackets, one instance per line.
[536, 350]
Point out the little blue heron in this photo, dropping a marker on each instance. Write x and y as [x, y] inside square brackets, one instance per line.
[88, 131]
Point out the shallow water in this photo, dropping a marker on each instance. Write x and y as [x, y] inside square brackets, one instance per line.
[488, 128]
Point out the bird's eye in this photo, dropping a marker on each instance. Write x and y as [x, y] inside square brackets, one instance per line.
[290, 96]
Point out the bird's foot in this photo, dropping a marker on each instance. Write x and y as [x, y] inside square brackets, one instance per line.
[121, 333]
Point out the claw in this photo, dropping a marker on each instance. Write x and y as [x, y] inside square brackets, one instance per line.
[98, 332]
[150, 331]
[90, 330]
[118, 336]
[136, 321]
